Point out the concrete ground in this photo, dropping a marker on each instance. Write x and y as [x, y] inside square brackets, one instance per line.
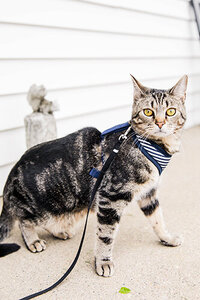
[148, 269]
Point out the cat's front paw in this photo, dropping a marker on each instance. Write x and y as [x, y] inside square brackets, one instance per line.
[172, 241]
[104, 268]
[37, 246]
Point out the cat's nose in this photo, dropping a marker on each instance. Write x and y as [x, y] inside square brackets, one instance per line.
[160, 124]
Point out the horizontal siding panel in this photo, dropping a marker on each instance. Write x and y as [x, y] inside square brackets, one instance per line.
[84, 16]
[193, 117]
[169, 8]
[43, 42]
[4, 171]
[48, 11]
[12, 145]
[73, 102]
[100, 119]
[80, 101]
[59, 74]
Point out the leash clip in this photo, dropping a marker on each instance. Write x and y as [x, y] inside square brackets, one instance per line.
[124, 135]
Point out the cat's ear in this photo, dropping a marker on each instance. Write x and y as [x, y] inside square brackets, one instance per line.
[139, 89]
[179, 89]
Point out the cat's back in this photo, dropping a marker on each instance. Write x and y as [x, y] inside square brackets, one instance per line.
[67, 147]
[74, 149]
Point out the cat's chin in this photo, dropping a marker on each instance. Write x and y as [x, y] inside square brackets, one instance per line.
[159, 135]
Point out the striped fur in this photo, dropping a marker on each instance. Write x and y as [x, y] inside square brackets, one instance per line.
[50, 185]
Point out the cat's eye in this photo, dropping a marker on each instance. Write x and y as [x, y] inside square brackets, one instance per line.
[148, 112]
[171, 112]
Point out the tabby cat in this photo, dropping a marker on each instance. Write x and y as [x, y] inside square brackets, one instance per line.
[50, 185]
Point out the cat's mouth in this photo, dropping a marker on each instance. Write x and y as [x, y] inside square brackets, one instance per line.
[162, 132]
[159, 133]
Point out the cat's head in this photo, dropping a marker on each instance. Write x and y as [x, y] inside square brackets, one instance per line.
[158, 113]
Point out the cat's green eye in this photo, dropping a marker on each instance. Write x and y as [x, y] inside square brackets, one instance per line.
[171, 112]
[148, 112]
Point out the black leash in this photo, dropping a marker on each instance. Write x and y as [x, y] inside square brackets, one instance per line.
[97, 184]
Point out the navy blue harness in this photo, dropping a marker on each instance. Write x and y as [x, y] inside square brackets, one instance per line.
[156, 154]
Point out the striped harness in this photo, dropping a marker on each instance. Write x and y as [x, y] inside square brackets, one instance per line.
[155, 153]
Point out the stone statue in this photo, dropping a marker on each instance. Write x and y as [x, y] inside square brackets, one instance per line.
[40, 125]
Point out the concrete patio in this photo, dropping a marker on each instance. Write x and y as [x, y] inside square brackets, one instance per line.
[148, 269]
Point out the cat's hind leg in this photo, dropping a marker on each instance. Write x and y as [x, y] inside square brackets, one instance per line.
[31, 238]
[152, 210]
[60, 226]
[64, 226]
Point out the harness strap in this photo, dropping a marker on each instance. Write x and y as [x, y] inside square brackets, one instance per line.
[96, 186]
[116, 128]
[153, 152]
[94, 172]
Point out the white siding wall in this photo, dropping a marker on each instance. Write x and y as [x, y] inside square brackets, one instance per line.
[83, 52]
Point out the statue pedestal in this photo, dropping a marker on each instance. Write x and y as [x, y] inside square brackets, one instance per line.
[39, 128]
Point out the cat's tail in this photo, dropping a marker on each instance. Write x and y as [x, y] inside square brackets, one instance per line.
[6, 222]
